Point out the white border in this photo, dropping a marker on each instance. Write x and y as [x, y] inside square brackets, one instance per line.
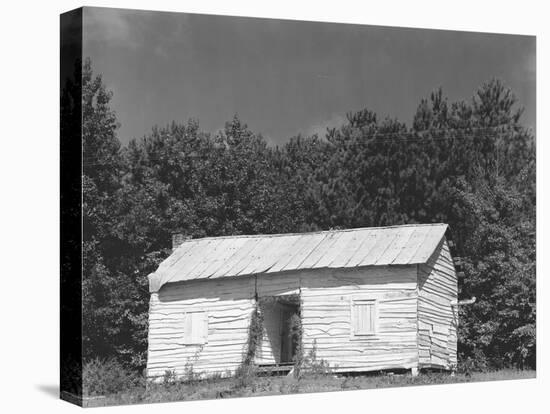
[30, 201]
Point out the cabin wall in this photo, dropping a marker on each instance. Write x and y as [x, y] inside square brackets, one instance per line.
[327, 323]
[228, 303]
[415, 324]
[437, 319]
[278, 284]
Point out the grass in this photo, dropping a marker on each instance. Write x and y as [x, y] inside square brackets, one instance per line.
[257, 386]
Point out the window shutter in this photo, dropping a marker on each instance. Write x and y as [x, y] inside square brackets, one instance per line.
[195, 328]
[364, 317]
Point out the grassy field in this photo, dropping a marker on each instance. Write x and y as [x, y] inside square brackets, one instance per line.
[257, 386]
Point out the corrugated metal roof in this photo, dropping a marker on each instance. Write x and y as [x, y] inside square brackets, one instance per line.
[216, 257]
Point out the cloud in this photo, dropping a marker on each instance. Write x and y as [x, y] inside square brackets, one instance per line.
[110, 26]
[320, 128]
[158, 33]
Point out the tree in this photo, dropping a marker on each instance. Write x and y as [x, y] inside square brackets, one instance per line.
[100, 180]
[469, 164]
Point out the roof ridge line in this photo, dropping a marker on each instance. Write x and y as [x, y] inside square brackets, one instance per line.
[313, 232]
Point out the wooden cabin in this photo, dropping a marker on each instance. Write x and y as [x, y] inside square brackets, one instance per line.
[368, 299]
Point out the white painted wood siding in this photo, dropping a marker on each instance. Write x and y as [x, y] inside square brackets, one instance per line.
[437, 319]
[228, 304]
[327, 321]
[278, 284]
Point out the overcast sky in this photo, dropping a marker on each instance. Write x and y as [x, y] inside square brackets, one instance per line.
[287, 77]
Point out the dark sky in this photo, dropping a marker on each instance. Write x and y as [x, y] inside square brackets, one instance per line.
[287, 77]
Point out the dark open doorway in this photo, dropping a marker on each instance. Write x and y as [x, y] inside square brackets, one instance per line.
[280, 339]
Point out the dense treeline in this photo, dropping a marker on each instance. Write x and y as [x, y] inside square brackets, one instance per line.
[468, 164]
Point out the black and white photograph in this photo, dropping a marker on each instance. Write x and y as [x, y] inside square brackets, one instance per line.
[273, 206]
[283, 208]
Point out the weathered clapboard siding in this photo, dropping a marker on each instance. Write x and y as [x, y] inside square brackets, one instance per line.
[437, 319]
[278, 284]
[228, 304]
[326, 297]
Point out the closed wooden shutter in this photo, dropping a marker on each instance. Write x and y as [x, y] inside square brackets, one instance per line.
[364, 317]
[195, 328]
